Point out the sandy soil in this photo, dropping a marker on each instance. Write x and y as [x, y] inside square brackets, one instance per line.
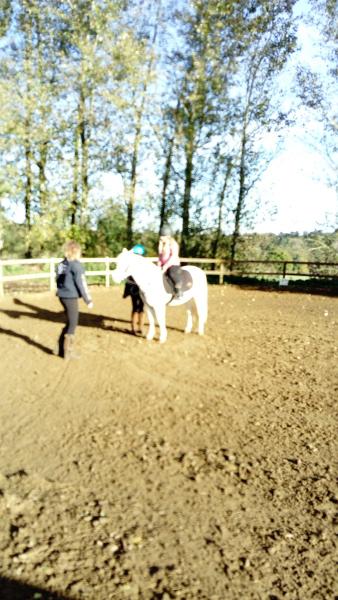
[198, 469]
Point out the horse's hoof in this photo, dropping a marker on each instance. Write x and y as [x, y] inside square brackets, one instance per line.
[187, 331]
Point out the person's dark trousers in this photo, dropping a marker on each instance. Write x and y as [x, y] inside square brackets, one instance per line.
[71, 306]
[174, 274]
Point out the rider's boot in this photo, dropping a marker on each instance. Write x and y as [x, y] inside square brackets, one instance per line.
[178, 292]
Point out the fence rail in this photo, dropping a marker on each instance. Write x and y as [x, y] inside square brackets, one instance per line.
[221, 269]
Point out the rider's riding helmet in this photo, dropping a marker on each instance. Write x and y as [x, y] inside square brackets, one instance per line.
[165, 231]
[139, 249]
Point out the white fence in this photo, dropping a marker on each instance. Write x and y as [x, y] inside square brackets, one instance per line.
[104, 273]
[221, 268]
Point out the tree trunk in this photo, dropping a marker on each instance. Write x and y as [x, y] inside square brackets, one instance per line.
[137, 140]
[133, 179]
[188, 181]
[28, 187]
[215, 241]
[28, 26]
[167, 168]
[43, 150]
[43, 121]
[240, 201]
[166, 179]
[76, 169]
[84, 136]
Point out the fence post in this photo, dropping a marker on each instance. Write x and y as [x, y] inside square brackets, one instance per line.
[107, 270]
[221, 273]
[1, 280]
[52, 283]
[284, 269]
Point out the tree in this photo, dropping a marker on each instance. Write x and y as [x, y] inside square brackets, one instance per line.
[87, 39]
[205, 63]
[269, 39]
[317, 87]
[226, 165]
[138, 99]
[60, 89]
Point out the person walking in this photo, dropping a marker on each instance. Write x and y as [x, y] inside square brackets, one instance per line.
[71, 285]
[131, 289]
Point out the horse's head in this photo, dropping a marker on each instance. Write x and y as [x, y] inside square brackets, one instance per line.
[123, 265]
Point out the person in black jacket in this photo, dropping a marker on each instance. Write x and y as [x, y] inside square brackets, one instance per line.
[131, 289]
[71, 285]
[137, 313]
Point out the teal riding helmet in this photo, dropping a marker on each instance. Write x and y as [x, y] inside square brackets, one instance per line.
[139, 249]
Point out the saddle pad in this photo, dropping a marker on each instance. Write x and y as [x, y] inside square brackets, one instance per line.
[186, 280]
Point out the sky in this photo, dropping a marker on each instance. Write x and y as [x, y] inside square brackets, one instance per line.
[296, 190]
[296, 182]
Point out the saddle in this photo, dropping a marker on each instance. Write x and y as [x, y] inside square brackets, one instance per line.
[186, 282]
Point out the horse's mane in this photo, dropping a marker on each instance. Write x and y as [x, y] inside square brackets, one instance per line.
[144, 262]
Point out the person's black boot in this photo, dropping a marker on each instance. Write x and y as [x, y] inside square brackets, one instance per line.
[59, 346]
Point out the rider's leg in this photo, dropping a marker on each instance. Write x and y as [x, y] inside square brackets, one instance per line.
[174, 274]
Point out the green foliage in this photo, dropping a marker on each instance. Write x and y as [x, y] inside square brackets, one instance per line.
[184, 89]
[111, 232]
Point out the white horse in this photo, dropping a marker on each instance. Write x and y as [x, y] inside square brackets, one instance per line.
[156, 293]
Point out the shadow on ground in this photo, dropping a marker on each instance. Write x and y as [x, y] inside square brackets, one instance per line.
[17, 590]
[43, 314]
[313, 286]
[85, 320]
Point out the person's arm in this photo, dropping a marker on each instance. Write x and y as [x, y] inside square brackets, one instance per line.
[160, 249]
[127, 290]
[81, 283]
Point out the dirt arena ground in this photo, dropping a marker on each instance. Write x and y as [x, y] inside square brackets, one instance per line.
[201, 469]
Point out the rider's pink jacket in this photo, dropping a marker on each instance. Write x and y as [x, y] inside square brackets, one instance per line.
[168, 254]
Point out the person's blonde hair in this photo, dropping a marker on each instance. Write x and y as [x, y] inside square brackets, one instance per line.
[72, 250]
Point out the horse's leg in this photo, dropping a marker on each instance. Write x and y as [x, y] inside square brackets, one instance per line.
[201, 303]
[202, 318]
[151, 319]
[160, 315]
[188, 327]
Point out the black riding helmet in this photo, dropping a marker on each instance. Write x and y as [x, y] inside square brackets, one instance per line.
[165, 230]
